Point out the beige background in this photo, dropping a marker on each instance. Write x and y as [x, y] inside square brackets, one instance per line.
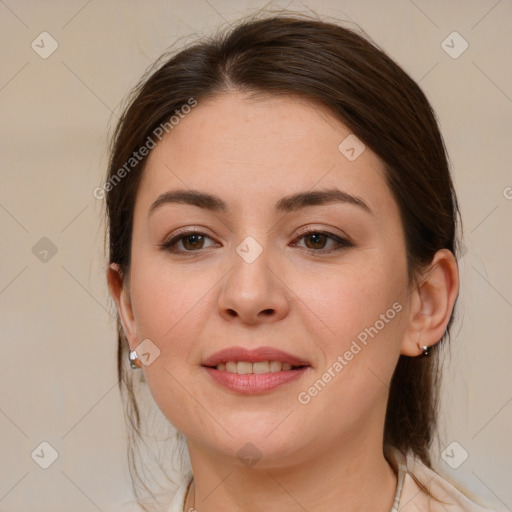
[57, 377]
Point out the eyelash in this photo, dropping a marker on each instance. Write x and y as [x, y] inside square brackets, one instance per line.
[169, 245]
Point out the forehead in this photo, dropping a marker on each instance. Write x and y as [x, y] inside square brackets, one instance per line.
[254, 150]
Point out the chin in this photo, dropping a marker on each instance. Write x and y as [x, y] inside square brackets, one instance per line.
[259, 448]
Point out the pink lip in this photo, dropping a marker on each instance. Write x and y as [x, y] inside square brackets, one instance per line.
[253, 356]
[255, 383]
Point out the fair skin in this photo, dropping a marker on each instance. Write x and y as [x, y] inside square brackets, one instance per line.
[326, 454]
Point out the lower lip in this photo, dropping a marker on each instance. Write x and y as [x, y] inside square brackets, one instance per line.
[253, 383]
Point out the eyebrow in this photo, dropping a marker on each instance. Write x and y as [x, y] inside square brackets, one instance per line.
[286, 204]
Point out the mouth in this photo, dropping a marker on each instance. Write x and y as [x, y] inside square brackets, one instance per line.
[254, 371]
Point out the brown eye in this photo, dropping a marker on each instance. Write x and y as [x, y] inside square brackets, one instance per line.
[318, 242]
[191, 242]
[186, 243]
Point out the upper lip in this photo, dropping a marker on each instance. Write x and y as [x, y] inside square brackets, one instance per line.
[253, 356]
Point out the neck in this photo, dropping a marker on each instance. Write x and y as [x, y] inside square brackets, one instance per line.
[354, 478]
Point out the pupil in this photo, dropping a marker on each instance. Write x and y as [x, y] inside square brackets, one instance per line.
[194, 238]
[317, 238]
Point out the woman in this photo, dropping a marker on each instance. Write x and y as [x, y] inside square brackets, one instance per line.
[282, 235]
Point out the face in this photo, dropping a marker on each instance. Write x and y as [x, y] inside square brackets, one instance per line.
[300, 250]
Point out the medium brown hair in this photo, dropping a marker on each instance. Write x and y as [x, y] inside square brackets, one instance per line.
[360, 85]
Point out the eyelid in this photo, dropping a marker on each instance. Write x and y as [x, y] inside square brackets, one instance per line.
[186, 230]
[309, 228]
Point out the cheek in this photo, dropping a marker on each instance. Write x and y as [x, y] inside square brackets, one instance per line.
[171, 308]
[175, 306]
[169, 302]
[363, 310]
[364, 314]
[353, 298]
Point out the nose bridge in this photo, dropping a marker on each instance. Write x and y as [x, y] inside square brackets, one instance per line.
[252, 290]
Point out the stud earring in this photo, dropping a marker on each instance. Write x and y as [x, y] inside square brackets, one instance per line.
[134, 360]
[425, 350]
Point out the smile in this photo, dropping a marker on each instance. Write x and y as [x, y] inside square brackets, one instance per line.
[255, 370]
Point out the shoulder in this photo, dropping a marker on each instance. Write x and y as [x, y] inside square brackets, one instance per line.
[178, 501]
[437, 494]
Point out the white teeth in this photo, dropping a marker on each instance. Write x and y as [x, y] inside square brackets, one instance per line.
[231, 367]
[244, 367]
[261, 367]
[275, 366]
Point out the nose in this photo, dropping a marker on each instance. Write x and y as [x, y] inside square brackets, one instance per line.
[253, 292]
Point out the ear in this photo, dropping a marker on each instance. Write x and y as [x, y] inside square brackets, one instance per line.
[431, 304]
[119, 289]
